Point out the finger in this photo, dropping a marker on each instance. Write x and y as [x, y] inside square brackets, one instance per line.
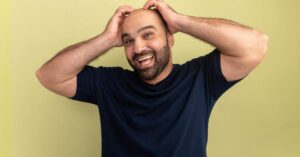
[150, 4]
[123, 8]
[127, 11]
[124, 11]
[121, 14]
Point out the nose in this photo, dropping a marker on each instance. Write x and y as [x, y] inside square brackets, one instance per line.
[139, 46]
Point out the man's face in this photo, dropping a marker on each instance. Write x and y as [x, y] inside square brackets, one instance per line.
[146, 43]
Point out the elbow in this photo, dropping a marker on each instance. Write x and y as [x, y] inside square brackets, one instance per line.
[38, 75]
[264, 44]
[43, 78]
[261, 47]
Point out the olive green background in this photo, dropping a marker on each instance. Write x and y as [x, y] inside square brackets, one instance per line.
[258, 117]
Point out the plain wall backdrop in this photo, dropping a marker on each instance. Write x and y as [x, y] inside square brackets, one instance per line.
[5, 79]
[258, 117]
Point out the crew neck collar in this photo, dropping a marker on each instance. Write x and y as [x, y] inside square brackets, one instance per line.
[162, 82]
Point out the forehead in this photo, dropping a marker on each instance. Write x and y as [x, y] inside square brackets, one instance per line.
[140, 18]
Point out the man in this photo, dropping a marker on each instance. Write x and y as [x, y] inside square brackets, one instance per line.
[160, 109]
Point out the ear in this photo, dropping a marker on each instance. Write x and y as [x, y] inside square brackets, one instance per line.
[170, 39]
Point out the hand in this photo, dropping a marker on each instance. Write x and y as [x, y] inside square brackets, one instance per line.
[170, 15]
[113, 28]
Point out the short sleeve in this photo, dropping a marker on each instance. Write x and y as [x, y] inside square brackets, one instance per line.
[86, 85]
[215, 79]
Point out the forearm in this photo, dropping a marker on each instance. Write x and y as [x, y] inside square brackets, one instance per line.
[229, 37]
[71, 60]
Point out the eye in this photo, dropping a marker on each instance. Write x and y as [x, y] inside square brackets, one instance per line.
[127, 41]
[148, 35]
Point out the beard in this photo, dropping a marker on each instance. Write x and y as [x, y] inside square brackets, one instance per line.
[161, 60]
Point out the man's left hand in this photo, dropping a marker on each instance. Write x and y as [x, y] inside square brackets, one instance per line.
[169, 14]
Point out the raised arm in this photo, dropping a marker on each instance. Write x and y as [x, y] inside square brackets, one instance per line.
[59, 74]
[242, 48]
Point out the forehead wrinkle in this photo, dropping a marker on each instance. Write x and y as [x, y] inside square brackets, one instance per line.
[140, 30]
[146, 27]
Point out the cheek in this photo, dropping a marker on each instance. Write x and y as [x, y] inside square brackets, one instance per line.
[128, 53]
[156, 44]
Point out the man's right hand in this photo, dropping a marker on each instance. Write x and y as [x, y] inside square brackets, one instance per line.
[59, 74]
[113, 28]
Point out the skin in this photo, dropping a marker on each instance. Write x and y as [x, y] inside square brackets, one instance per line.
[143, 32]
[242, 48]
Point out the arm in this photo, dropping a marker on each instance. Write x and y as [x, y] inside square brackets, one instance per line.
[60, 73]
[242, 48]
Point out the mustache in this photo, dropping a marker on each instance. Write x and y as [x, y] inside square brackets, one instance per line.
[145, 52]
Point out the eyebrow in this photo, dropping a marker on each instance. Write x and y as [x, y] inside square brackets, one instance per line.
[139, 30]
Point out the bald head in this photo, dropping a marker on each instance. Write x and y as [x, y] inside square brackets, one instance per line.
[143, 17]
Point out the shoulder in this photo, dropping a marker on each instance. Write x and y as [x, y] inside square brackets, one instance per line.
[110, 70]
[202, 61]
[114, 74]
[104, 74]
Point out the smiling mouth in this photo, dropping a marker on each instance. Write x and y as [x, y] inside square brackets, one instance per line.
[145, 61]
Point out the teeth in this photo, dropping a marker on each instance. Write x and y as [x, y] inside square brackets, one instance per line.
[145, 62]
[145, 57]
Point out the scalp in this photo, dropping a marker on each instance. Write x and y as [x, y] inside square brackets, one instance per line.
[146, 13]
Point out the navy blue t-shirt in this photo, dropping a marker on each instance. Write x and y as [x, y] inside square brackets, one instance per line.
[169, 119]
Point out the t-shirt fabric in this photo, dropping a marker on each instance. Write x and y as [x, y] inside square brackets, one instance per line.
[168, 119]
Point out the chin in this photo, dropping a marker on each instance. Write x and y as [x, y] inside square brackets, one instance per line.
[148, 75]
